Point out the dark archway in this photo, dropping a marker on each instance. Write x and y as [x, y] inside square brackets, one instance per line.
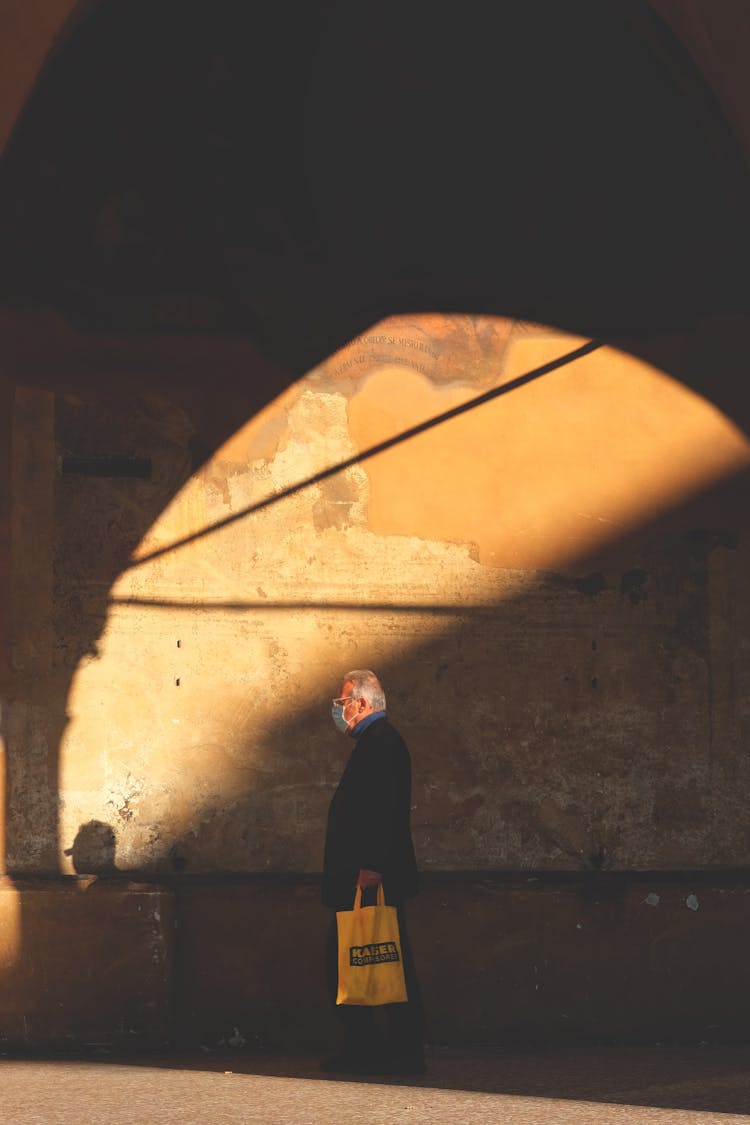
[205, 208]
[294, 172]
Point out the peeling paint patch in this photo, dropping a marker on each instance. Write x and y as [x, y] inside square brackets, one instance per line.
[652, 899]
[691, 902]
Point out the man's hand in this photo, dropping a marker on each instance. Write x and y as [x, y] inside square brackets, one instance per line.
[367, 878]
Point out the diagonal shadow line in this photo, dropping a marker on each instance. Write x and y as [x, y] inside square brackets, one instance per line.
[373, 451]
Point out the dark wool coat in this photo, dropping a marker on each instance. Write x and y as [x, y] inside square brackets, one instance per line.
[368, 821]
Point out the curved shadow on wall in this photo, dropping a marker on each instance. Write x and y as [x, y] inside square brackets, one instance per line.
[613, 665]
[659, 578]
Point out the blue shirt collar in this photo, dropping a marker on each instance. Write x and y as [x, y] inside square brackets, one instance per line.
[363, 724]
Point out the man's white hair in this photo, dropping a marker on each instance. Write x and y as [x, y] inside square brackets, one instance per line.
[366, 685]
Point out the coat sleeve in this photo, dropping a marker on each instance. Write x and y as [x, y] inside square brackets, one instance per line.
[381, 783]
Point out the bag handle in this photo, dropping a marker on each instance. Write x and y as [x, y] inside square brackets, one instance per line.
[358, 896]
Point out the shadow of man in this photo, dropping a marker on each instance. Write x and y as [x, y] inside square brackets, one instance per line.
[93, 850]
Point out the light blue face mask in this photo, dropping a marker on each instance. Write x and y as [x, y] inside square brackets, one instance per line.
[337, 714]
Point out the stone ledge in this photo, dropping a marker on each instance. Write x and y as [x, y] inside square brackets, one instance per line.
[503, 959]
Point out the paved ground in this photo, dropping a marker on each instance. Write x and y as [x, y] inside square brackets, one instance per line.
[621, 1086]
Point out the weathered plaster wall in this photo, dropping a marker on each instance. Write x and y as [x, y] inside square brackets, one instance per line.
[34, 708]
[562, 658]
[553, 589]
[6, 554]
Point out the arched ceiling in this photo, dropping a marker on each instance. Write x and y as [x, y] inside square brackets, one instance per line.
[283, 175]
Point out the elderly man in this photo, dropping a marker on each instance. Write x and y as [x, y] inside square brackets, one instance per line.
[368, 841]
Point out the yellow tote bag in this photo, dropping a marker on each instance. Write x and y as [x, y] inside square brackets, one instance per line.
[371, 964]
